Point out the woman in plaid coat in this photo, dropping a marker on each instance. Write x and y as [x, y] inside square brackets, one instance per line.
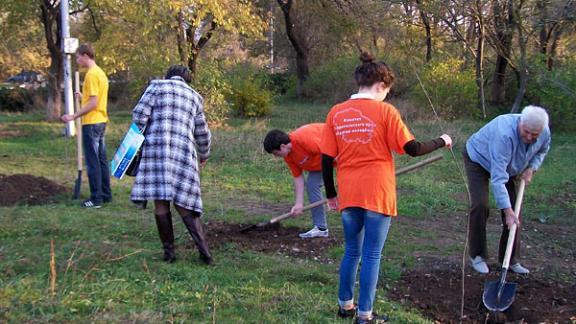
[177, 138]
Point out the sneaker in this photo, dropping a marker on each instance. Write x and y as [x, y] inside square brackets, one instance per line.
[90, 204]
[314, 232]
[479, 265]
[374, 320]
[346, 313]
[519, 269]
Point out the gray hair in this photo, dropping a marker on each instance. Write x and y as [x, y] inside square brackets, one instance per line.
[534, 117]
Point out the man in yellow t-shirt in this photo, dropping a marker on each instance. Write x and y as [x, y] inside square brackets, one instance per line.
[93, 112]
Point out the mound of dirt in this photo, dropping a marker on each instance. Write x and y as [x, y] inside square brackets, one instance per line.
[28, 190]
[435, 289]
[273, 239]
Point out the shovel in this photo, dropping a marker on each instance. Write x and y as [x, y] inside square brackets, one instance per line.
[78, 182]
[323, 201]
[499, 295]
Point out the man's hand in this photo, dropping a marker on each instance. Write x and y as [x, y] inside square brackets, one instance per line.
[527, 175]
[511, 217]
[447, 139]
[297, 209]
[67, 118]
[333, 203]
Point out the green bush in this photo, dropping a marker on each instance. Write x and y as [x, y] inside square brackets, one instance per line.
[21, 99]
[334, 81]
[212, 85]
[451, 89]
[555, 90]
[249, 95]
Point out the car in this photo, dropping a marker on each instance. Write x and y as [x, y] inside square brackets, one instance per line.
[27, 79]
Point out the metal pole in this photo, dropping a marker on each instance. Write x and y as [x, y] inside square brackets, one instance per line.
[68, 95]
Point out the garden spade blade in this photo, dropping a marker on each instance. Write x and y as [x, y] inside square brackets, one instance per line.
[499, 295]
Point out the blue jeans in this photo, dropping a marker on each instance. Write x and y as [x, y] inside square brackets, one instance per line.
[314, 184]
[365, 233]
[96, 162]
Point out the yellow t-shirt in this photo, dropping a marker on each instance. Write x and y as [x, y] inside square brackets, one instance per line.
[95, 84]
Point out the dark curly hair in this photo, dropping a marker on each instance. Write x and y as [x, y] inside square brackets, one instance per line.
[370, 72]
[274, 139]
[181, 71]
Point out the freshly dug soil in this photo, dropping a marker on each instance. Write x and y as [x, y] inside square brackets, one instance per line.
[273, 239]
[28, 190]
[435, 289]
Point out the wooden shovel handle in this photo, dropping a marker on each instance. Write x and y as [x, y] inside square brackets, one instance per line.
[512, 230]
[323, 201]
[419, 164]
[305, 208]
[78, 121]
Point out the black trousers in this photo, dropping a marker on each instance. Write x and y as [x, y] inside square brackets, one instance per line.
[479, 182]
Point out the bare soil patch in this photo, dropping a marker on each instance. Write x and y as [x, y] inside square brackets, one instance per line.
[435, 289]
[433, 285]
[27, 189]
[273, 239]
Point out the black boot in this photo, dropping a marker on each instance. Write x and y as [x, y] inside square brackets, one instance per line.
[196, 230]
[164, 224]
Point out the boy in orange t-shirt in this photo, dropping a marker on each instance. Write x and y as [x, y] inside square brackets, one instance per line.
[362, 133]
[301, 152]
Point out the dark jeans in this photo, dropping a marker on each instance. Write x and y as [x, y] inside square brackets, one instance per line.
[96, 162]
[479, 182]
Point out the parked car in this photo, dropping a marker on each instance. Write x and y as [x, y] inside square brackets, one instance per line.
[27, 79]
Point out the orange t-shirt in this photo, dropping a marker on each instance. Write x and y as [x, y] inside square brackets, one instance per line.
[362, 133]
[305, 153]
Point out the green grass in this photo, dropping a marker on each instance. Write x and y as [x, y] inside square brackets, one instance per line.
[107, 260]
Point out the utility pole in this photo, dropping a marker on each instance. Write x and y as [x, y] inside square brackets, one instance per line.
[271, 37]
[69, 46]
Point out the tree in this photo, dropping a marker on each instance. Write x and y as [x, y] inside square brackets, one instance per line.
[298, 43]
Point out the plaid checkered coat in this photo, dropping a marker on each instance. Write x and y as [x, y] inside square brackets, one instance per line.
[175, 124]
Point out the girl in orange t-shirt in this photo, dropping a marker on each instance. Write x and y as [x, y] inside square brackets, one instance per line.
[362, 132]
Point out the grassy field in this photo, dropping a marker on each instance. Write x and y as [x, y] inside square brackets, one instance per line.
[107, 261]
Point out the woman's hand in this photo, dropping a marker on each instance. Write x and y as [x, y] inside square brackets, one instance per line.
[447, 139]
[333, 203]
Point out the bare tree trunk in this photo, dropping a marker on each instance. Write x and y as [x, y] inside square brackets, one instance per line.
[181, 38]
[50, 17]
[428, 30]
[523, 73]
[302, 69]
[503, 26]
[480, 59]
[194, 43]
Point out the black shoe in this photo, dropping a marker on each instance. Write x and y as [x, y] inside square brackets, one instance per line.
[346, 313]
[374, 320]
[90, 204]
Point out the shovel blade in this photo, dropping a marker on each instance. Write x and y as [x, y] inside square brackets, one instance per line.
[491, 299]
[77, 185]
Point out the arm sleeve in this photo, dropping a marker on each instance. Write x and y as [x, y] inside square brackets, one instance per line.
[328, 176]
[202, 135]
[143, 110]
[398, 134]
[500, 157]
[294, 169]
[416, 148]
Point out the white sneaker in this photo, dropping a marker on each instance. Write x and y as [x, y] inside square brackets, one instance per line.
[519, 269]
[314, 232]
[479, 265]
